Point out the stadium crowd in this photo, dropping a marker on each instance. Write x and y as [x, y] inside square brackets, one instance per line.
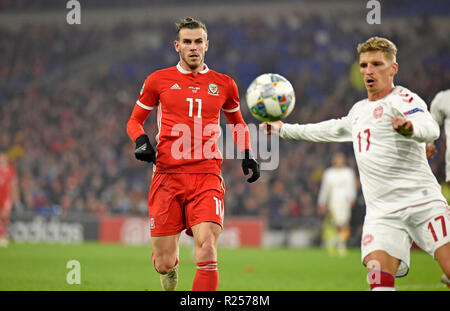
[68, 139]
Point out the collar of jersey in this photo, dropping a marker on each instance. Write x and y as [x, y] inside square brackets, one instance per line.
[395, 90]
[180, 69]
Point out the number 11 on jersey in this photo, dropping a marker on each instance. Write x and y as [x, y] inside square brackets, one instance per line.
[191, 106]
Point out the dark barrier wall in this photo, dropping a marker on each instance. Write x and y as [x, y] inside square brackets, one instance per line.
[77, 228]
[34, 227]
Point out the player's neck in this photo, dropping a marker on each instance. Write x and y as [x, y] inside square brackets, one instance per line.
[194, 71]
[381, 94]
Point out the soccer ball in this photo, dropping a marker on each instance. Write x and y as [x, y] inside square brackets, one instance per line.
[270, 97]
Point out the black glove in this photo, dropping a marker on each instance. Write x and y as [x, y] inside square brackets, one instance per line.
[250, 163]
[144, 150]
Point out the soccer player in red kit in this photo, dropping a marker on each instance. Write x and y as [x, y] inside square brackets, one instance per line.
[9, 194]
[187, 189]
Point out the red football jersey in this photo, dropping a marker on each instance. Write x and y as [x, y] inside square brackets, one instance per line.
[188, 110]
[6, 176]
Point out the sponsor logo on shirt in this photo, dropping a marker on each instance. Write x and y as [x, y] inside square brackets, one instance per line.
[194, 89]
[175, 87]
[213, 89]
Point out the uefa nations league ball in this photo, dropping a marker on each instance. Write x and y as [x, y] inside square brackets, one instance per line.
[270, 97]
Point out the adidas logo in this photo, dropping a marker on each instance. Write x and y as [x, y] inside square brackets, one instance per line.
[141, 148]
[175, 87]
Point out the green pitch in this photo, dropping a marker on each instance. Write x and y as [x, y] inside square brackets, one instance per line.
[118, 267]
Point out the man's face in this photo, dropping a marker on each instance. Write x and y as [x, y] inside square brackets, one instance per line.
[191, 46]
[378, 72]
[339, 160]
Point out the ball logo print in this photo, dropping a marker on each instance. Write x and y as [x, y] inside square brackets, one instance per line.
[270, 97]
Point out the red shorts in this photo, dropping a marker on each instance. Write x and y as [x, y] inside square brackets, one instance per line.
[179, 201]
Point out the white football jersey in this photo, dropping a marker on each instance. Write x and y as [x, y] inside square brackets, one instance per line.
[393, 169]
[440, 110]
[338, 188]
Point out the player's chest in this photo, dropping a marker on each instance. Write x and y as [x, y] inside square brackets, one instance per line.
[374, 117]
[338, 179]
[372, 126]
[192, 98]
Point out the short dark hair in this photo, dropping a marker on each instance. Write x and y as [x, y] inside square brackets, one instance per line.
[190, 23]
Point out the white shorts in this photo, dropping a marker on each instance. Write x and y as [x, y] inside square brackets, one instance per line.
[427, 225]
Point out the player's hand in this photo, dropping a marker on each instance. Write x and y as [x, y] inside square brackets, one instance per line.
[249, 163]
[430, 149]
[402, 126]
[144, 150]
[271, 127]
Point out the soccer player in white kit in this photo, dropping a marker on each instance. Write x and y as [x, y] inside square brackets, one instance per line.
[403, 199]
[337, 195]
[440, 110]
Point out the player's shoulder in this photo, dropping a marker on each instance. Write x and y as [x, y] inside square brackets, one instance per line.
[220, 76]
[162, 73]
[158, 73]
[356, 106]
[401, 94]
[349, 170]
[442, 98]
[329, 171]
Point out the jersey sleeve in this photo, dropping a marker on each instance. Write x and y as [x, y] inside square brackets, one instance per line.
[149, 95]
[239, 128]
[334, 130]
[436, 108]
[412, 107]
[148, 99]
[232, 102]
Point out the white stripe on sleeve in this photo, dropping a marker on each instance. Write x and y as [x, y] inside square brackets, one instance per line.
[143, 106]
[231, 110]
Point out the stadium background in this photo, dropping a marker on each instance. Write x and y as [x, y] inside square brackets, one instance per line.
[66, 92]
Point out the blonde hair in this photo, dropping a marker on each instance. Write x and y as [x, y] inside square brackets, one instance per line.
[379, 44]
